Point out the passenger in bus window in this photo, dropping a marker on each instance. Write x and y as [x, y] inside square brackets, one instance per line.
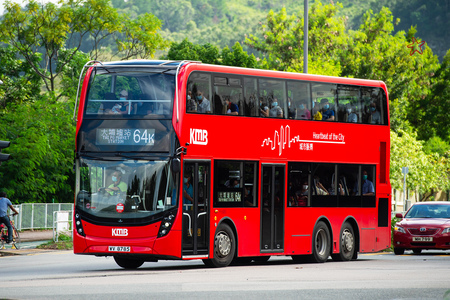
[122, 106]
[191, 105]
[232, 108]
[374, 114]
[351, 116]
[303, 112]
[327, 112]
[291, 109]
[320, 189]
[332, 188]
[203, 105]
[248, 197]
[317, 115]
[275, 111]
[367, 185]
[188, 191]
[302, 193]
[263, 108]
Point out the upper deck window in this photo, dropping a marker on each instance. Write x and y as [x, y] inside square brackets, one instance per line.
[130, 93]
[252, 96]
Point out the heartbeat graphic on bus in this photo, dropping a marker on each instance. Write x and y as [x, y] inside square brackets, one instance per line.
[282, 139]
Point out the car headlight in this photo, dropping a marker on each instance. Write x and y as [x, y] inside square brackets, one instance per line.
[446, 230]
[399, 229]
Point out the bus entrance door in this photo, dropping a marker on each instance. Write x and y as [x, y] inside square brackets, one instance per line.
[195, 195]
[272, 208]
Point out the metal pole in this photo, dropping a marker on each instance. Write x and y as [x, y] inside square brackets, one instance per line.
[305, 40]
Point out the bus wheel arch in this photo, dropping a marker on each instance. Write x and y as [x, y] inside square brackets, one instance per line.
[348, 241]
[225, 245]
[321, 240]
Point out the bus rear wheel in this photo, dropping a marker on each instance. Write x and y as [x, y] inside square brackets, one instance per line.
[321, 243]
[128, 263]
[347, 244]
[224, 247]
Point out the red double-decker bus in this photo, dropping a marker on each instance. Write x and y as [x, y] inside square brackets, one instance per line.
[184, 160]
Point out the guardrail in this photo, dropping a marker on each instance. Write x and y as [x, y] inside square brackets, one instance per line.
[62, 223]
[38, 215]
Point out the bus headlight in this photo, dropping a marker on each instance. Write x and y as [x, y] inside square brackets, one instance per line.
[166, 224]
[79, 224]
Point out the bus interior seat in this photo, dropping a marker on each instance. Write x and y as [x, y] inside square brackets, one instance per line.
[108, 105]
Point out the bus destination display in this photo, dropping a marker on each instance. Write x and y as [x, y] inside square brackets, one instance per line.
[229, 197]
[125, 136]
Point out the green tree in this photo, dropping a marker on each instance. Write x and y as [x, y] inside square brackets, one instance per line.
[20, 83]
[280, 39]
[427, 173]
[434, 107]
[210, 54]
[50, 28]
[42, 143]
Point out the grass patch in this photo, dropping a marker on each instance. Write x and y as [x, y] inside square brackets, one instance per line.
[64, 243]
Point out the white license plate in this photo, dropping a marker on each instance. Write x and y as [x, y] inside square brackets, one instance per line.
[422, 239]
[119, 249]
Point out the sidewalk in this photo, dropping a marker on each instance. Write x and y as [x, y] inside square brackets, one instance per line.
[36, 235]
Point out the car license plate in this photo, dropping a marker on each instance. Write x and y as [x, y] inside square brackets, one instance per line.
[119, 249]
[422, 239]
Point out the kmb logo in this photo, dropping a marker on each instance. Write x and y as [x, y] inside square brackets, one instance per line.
[119, 232]
[199, 136]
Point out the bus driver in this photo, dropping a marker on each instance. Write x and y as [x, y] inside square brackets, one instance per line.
[117, 186]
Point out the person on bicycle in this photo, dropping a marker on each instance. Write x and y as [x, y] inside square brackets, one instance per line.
[4, 204]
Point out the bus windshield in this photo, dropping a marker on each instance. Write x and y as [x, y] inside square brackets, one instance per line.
[130, 92]
[125, 189]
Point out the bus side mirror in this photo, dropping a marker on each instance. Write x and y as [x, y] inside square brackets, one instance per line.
[176, 165]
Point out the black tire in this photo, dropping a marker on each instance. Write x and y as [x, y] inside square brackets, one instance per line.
[128, 263]
[399, 251]
[347, 244]
[321, 243]
[224, 247]
[417, 251]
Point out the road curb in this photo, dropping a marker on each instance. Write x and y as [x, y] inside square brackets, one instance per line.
[12, 252]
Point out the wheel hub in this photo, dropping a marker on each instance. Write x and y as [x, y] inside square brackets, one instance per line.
[223, 244]
[347, 240]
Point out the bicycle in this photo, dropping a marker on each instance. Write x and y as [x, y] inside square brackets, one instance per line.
[4, 235]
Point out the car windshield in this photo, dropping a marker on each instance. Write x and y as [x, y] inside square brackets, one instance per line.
[429, 211]
[125, 189]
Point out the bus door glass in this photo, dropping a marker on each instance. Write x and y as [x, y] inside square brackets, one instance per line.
[195, 195]
[272, 208]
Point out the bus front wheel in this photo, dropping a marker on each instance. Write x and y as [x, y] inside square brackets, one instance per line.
[224, 247]
[347, 244]
[321, 243]
[128, 263]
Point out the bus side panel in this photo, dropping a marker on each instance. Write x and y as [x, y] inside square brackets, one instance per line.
[248, 228]
[298, 237]
[170, 245]
[79, 243]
